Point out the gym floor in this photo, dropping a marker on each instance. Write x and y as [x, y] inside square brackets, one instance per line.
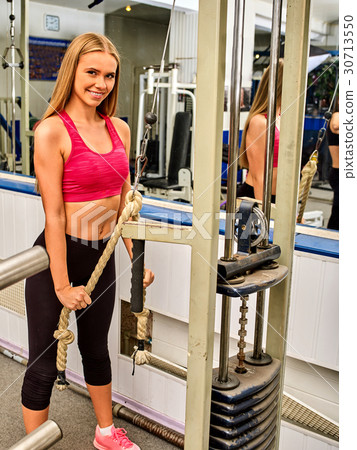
[71, 411]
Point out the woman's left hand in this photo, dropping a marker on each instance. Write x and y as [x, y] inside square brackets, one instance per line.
[148, 277]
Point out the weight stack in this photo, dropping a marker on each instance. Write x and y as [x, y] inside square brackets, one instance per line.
[245, 417]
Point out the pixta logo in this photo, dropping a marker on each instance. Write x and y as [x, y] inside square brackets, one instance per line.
[90, 221]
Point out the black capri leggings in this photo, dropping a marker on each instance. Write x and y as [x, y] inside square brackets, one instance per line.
[43, 311]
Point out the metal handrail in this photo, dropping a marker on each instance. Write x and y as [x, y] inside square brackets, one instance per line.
[23, 265]
[41, 438]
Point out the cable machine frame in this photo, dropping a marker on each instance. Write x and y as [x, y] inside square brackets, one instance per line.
[209, 127]
[173, 89]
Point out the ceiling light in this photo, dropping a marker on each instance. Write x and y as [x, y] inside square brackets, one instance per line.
[128, 8]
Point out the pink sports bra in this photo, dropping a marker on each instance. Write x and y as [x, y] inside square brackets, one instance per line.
[88, 175]
[276, 145]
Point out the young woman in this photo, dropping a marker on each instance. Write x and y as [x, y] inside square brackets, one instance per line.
[333, 139]
[81, 163]
[252, 150]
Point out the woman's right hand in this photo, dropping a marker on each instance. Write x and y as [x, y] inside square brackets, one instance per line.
[73, 298]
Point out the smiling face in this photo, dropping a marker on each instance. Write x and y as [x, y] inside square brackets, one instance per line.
[94, 78]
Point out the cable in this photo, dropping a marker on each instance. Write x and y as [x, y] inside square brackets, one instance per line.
[151, 117]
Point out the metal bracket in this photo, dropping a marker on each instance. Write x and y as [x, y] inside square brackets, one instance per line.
[245, 218]
[6, 64]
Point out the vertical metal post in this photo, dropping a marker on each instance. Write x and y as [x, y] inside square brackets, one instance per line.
[208, 144]
[236, 84]
[170, 116]
[291, 134]
[7, 128]
[162, 135]
[25, 86]
[258, 327]
[271, 113]
[13, 88]
[224, 340]
[268, 175]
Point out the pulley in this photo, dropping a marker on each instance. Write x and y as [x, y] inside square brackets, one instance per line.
[7, 64]
[12, 46]
[13, 50]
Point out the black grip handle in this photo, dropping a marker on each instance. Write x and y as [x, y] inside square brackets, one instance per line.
[137, 276]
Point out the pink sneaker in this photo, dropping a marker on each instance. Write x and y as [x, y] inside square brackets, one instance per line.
[116, 441]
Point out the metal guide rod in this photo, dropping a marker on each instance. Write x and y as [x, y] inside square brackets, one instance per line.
[7, 127]
[233, 150]
[25, 89]
[13, 80]
[23, 265]
[42, 438]
[259, 323]
[268, 175]
[271, 113]
[224, 340]
[11, 156]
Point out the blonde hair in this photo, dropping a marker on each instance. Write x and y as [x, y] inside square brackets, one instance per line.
[81, 45]
[260, 106]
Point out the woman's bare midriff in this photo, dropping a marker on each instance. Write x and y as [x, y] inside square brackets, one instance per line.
[92, 220]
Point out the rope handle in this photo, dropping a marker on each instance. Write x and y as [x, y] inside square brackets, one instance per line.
[308, 173]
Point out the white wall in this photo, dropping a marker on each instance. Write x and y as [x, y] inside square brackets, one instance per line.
[296, 438]
[180, 5]
[313, 385]
[72, 23]
[183, 45]
[332, 40]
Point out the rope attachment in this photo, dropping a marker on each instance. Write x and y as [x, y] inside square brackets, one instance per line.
[308, 173]
[140, 355]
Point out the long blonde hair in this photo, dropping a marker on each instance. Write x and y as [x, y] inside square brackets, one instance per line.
[82, 44]
[260, 106]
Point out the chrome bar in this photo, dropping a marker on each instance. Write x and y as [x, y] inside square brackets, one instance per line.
[7, 126]
[268, 175]
[233, 150]
[13, 81]
[25, 89]
[271, 116]
[42, 438]
[23, 265]
[224, 340]
[259, 322]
